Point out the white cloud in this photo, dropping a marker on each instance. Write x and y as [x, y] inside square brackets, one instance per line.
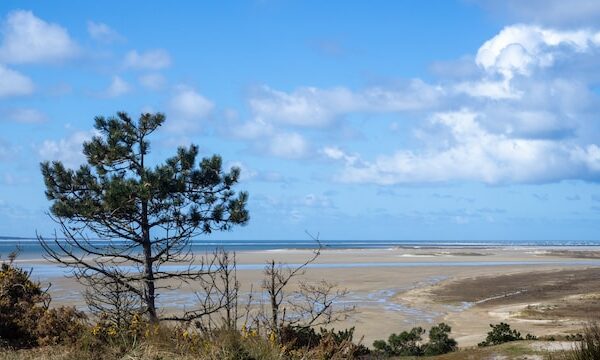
[191, 104]
[517, 49]
[189, 108]
[29, 39]
[305, 107]
[250, 130]
[149, 60]
[488, 89]
[265, 138]
[117, 87]
[13, 83]
[336, 153]
[314, 107]
[288, 145]
[102, 32]
[477, 155]
[530, 116]
[251, 174]
[26, 115]
[246, 173]
[153, 81]
[68, 150]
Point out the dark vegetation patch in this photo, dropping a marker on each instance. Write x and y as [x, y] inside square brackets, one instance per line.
[521, 287]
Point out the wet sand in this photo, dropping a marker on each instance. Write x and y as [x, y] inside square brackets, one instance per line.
[395, 289]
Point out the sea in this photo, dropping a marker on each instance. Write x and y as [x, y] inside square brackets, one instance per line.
[31, 253]
[30, 248]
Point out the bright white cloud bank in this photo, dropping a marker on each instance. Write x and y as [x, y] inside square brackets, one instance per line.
[519, 48]
[522, 109]
[475, 155]
[520, 122]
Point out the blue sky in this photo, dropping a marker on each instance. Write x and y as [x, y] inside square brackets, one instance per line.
[473, 119]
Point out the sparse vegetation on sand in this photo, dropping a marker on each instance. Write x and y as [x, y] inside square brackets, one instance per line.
[47, 333]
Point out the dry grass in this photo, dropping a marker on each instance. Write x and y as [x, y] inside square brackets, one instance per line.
[70, 353]
[515, 350]
[223, 348]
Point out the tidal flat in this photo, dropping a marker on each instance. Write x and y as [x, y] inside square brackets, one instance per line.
[539, 290]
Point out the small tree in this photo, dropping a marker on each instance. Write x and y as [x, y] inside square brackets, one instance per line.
[311, 305]
[500, 334]
[111, 301]
[143, 216]
[407, 343]
[219, 295]
[440, 341]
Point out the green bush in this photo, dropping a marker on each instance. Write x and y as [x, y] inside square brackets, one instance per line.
[409, 343]
[22, 302]
[500, 333]
[62, 325]
[26, 320]
[439, 340]
[325, 344]
[299, 337]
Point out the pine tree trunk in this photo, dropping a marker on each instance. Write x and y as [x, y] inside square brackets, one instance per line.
[148, 269]
[274, 304]
[147, 245]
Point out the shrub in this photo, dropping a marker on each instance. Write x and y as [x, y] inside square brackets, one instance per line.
[500, 333]
[407, 343]
[533, 337]
[25, 319]
[574, 337]
[439, 340]
[299, 337]
[21, 302]
[59, 326]
[325, 344]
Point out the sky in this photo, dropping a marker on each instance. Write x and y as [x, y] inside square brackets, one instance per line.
[383, 120]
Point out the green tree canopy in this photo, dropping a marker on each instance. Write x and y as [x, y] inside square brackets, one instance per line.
[145, 215]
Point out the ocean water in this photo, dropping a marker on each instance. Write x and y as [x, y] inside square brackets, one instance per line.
[30, 252]
[31, 249]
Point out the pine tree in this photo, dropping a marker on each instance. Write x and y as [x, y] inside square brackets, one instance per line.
[122, 219]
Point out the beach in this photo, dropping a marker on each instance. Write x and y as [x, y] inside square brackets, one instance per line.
[394, 289]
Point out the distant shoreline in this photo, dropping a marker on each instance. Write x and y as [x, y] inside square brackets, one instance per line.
[30, 245]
